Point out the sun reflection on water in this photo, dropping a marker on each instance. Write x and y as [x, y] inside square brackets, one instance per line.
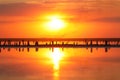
[56, 56]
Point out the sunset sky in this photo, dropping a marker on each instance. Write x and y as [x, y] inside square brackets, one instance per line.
[82, 18]
[59, 19]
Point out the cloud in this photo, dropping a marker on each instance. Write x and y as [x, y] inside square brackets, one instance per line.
[18, 21]
[79, 8]
[23, 9]
[108, 59]
[107, 19]
[36, 8]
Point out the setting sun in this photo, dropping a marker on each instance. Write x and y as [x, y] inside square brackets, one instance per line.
[55, 23]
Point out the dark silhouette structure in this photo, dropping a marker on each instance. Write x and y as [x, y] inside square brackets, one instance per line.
[52, 43]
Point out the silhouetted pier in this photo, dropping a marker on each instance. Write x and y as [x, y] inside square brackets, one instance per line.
[60, 43]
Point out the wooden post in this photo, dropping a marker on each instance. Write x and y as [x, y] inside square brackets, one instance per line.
[37, 49]
[0, 50]
[106, 43]
[36, 43]
[106, 49]
[0, 43]
[28, 49]
[91, 42]
[91, 50]
[28, 43]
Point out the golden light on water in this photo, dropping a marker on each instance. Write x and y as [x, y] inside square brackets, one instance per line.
[57, 56]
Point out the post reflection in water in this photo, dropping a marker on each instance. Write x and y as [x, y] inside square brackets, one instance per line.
[56, 56]
[70, 64]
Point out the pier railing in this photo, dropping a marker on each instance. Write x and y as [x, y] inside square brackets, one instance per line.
[37, 43]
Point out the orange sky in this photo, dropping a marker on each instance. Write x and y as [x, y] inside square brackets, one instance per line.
[84, 18]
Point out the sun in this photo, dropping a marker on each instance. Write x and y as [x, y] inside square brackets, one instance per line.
[55, 22]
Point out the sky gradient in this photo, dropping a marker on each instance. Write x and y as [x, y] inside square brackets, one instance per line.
[84, 18]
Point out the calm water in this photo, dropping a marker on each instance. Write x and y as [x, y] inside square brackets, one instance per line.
[70, 64]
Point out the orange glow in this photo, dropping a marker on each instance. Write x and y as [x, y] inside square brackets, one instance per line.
[56, 56]
[54, 23]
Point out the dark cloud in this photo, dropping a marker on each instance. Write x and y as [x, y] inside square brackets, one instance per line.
[29, 9]
[108, 59]
[22, 9]
[19, 21]
[108, 19]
